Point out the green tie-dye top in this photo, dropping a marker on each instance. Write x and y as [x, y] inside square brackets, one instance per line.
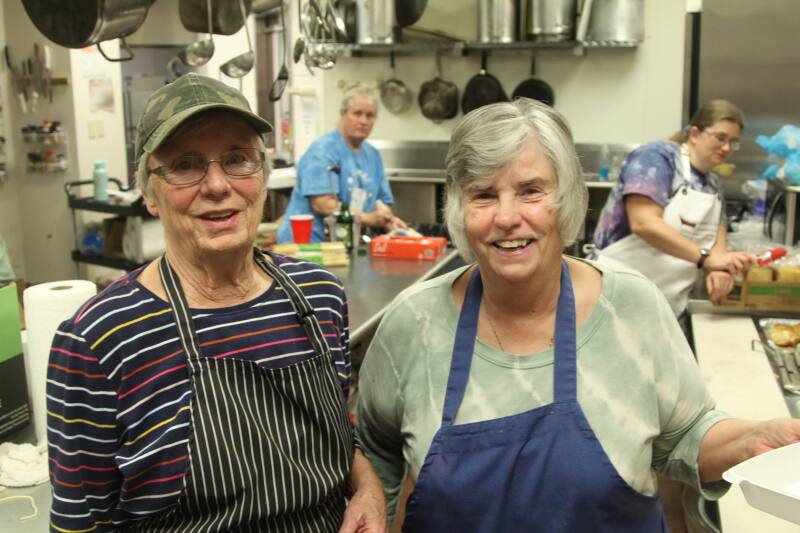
[638, 383]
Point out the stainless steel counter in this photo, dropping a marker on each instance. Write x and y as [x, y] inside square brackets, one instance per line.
[697, 307]
[372, 283]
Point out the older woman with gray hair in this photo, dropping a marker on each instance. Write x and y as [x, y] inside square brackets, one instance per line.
[207, 391]
[342, 167]
[531, 391]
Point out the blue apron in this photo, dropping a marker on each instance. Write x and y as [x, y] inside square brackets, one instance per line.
[541, 470]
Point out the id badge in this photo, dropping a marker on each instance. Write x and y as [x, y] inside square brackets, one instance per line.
[358, 197]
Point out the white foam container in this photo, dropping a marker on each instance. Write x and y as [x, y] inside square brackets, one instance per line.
[771, 481]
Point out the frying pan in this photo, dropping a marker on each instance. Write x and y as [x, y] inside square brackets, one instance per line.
[438, 98]
[408, 12]
[482, 89]
[534, 88]
[396, 97]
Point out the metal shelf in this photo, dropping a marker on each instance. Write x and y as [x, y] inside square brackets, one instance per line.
[465, 47]
[120, 264]
[135, 209]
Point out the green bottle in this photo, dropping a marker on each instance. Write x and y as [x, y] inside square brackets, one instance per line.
[344, 226]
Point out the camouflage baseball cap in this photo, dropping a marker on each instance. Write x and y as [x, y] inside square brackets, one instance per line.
[168, 107]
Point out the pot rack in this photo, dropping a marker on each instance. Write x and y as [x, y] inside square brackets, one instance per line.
[467, 47]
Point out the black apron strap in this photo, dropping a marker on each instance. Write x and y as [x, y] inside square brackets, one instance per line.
[183, 316]
[300, 304]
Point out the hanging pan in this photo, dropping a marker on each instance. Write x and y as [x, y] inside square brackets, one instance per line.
[534, 88]
[408, 12]
[227, 16]
[396, 97]
[438, 98]
[482, 89]
[88, 22]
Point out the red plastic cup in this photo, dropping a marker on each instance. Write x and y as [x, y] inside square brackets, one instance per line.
[301, 227]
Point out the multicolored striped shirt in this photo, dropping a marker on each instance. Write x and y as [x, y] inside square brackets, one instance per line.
[118, 389]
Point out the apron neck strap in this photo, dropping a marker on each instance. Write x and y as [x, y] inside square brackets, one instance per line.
[183, 316]
[180, 309]
[303, 309]
[565, 345]
[463, 348]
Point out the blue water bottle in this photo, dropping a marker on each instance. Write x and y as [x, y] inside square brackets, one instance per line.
[100, 178]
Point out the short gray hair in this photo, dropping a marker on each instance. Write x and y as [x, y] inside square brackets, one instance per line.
[357, 92]
[492, 136]
[190, 126]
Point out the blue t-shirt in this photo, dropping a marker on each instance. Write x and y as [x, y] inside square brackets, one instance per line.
[362, 169]
[653, 170]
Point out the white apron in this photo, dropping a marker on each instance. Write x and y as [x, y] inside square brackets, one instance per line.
[693, 213]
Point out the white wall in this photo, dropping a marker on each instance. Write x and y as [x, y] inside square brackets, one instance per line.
[608, 95]
[41, 229]
[42, 223]
[9, 191]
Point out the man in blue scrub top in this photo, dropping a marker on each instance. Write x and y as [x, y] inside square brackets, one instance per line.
[341, 166]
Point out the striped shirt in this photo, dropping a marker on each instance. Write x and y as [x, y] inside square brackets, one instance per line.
[118, 391]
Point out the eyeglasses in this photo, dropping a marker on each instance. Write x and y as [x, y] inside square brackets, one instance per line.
[190, 169]
[723, 140]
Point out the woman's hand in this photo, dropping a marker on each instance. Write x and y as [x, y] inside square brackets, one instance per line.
[731, 262]
[732, 441]
[718, 284]
[771, 434]
[366, 512]
[396, 223]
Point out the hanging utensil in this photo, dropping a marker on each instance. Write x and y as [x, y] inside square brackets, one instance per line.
[408, 12]
[438, 98]
[243, 63]
[482, 89]
[335, 23]
[199, 52]
[226, 20]
[396, 97]
[278, 86]
[534, 88]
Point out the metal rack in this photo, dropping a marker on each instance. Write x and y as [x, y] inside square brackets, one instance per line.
[74, 202]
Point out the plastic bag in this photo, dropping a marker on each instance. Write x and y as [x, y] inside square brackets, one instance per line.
[784, 144]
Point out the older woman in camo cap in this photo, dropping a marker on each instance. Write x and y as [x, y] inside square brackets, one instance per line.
[529, 390]
[206, 391]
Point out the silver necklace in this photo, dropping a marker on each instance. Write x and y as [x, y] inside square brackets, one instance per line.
[494, 330]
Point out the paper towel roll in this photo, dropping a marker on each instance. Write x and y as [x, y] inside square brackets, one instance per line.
[46, 306]
[143, 239]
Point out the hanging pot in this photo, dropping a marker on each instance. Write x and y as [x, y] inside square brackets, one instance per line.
[535, 88]
[82, 23]
[226, 16]
[396, 97]
[482, 89]
[438, 98]
[408, 12]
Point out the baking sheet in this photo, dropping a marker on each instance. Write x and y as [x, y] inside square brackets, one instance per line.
[786, 359]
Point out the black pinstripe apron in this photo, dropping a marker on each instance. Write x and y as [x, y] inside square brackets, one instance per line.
[270, 449]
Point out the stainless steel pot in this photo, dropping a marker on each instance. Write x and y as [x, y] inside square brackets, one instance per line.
[548, 20]
[82, 23]
[616, 21]
[226, 16]
[375, 20]
[496, 21]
